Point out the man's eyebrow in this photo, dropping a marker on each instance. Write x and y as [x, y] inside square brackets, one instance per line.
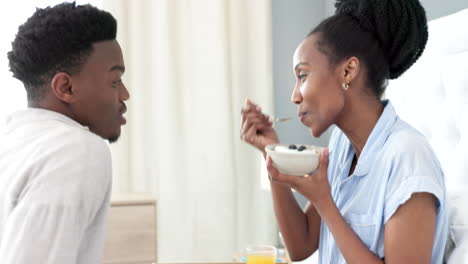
[117, 68]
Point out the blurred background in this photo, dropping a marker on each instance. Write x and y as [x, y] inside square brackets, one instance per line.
[190, 66]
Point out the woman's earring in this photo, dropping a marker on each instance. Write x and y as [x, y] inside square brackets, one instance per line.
[345, 86]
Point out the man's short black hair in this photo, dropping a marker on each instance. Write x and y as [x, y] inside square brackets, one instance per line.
[57, 39]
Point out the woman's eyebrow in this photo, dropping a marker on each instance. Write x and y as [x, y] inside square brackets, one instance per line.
[300, 64]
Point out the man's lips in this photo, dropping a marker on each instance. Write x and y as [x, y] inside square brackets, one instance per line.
[123, 109]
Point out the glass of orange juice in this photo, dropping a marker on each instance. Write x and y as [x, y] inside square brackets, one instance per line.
[260, 254]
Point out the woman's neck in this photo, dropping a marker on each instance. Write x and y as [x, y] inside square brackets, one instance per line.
[359, 119]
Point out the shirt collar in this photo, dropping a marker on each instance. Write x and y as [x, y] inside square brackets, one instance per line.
[376, 139]
[31, 114]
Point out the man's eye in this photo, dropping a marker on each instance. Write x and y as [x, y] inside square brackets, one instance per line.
[117, 82]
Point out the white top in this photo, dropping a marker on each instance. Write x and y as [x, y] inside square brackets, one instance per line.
[55, 185]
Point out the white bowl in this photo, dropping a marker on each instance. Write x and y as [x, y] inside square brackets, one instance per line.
[293, 162]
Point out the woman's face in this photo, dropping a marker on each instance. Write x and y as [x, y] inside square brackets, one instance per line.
[318, 92]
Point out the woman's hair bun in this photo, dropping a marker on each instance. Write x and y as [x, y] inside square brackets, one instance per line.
[399, 26]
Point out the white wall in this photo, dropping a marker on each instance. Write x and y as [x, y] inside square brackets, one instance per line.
[292, 20]
[438, 8]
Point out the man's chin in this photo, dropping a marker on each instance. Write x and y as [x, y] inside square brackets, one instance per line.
[113, 139]
[114, 136]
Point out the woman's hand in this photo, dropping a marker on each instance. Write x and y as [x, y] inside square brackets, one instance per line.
[256, 127]
[314, 187]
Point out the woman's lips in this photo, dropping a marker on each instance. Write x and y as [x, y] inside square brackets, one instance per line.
[302, 116]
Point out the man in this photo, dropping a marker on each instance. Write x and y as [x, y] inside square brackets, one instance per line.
[55, 168]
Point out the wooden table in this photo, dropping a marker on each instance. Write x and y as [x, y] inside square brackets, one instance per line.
[131, 230]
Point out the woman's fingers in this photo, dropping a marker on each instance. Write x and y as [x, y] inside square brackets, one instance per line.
[272, 171]
[256, 127]
[248, 108]
[248, 119]
[276, 176]
[244, 111]
[252, 121]
[323, 165]
[250, 133]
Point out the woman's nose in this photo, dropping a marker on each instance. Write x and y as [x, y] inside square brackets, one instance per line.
[296, 96]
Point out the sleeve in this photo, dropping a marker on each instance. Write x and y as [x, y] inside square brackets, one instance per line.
[415, 169]
[48, 223]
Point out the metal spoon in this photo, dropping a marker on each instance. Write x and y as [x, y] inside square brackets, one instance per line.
[277, 120]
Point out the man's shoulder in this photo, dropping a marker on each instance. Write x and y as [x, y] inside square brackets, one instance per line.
[76, 148]
[57, 163]
[51, 137]
[70, 140]
[67, 146]
[43, 130]
[83, 145]
[84, 138]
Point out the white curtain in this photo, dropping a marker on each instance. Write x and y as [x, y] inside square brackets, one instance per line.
[190, 66]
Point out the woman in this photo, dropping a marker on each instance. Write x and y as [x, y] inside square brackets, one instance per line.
[378, 195]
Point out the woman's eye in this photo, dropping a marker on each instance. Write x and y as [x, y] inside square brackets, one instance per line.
[302, 76]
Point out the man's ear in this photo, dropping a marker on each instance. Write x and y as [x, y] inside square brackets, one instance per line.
[351, 69]
[61, 85]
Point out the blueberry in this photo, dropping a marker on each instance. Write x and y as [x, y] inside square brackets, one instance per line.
[301, 148]
[292, 147]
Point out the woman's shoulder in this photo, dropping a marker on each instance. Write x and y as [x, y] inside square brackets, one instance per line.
[404, 138]
[410, 153]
